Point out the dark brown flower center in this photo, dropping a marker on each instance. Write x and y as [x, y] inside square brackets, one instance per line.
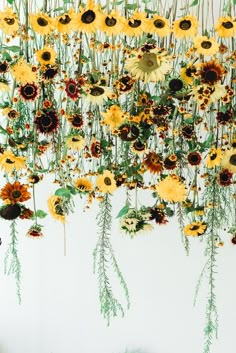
[134, 23]
[42, 22]
[64, 20]
[159, 23]
[16, 194]
[96, 91]
[195, 227]
[213, 156]
[77, 120]
[9, 20]
[227, 25]
[206, 44]
[211, 76]
[110, 21]
[46, 121]
[29, 90]
[232, 159]
[88, 16]
[224, 177]
[46, 56]
[107, 181]
[139, 146]
[176, 85]
[185, 25]
[72, 88]
[3, 67]
[9, 161]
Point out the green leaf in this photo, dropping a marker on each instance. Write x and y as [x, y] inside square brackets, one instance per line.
[6, 56]
[119, 2]
[39, 214]
[123, 211]
[131, 6]
[10, 1]
[194, 3]
[13, 48]
[63, 192]
[72, 190]
[234, 2]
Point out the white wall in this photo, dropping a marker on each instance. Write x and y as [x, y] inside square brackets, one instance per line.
[60, 309]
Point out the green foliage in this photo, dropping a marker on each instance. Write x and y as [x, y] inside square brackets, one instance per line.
[11, 262]
[104, 258]
[39, 214]
[63, 192]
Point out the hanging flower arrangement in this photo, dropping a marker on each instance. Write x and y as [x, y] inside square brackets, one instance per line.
[132, 96]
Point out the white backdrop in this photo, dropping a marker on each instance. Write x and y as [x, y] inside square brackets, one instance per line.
[60, 308]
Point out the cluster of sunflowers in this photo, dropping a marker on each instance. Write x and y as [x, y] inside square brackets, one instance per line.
[121, 96]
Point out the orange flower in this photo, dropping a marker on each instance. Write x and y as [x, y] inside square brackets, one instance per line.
[14, 193]
[153, 163]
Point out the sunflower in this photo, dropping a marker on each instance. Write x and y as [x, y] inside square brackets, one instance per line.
[211, 72]
[89, 19]
[194, 158]
[158, 25]
[128, 132]
[225, 27]
[225, 177]
[175, 85]
[22, 72]
[46, 56]
[29, 92]
[47, 122]
[170, 162]
[195, 229]
[55, 207]
[97, 94]
[13, 114]
[171, 189]
[136, 24]
[187, 73]
[14, 193]
[229, 160]
[41, 23]
[114, 116]
[106, 182]
[214, 158]
[66, 22]
[10, 212]
[9, 21]
[9, 162]
[4, 67]
[50, 72]
[149, 66]
[158, 214]
[35, 231]
[138, 147]
[83, 185]
[205, 45]
[75, 142]
[112, 23]
[188, 132]
[124, 84]
[186, 26]
[76, 121]
[153, 162]
[72, 89]
[96, 149]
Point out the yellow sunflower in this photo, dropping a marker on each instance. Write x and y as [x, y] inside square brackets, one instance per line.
[171, 189]
[112, 23]
[158, 25]
[83, 185]
[4, 85]
[22, 72]
[225, 27]
[214, 158]
[41, 23]
[205, 45]
[149, 66]
[229, 160]
[136, 24]
[46, 56]
[114, 116]
[10, 162]
[89, 18]
[55, 207]
[186, 26]
[195, 229]
[67, 22]
[9, 21]
[75, 142]
[187, 73]
[106, 182]
[97, 94]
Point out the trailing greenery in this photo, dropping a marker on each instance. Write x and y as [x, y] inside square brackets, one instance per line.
[104, 259]
[11, 262]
